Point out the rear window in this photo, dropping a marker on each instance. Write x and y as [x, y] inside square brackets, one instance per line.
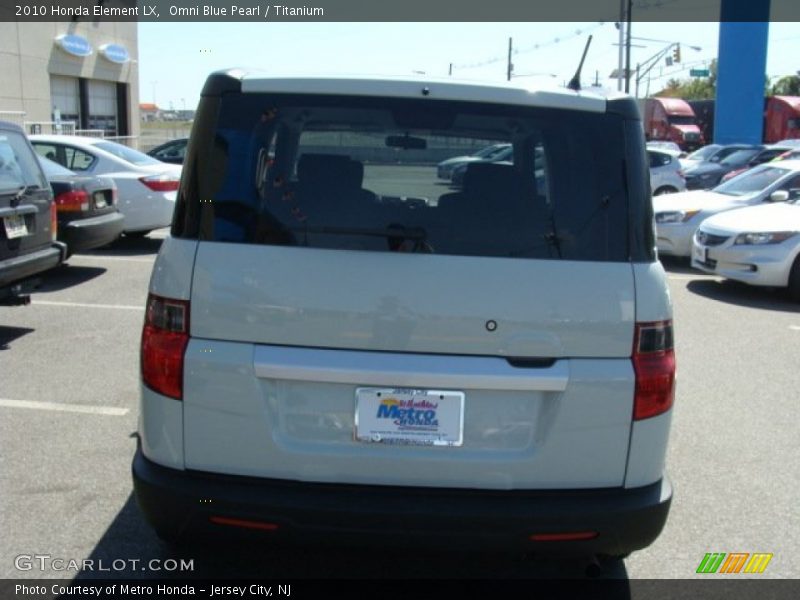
[18, 166]
[129, 155]
[354, 173]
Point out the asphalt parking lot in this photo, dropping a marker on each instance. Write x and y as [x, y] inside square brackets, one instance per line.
[68, 410]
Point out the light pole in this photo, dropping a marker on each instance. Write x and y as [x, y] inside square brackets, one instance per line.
[154, 93]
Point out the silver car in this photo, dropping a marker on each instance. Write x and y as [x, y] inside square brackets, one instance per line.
[336, 345]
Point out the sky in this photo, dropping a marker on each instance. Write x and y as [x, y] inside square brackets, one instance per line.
[543, 52]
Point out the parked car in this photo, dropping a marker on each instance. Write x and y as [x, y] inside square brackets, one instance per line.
[170, 152]
[759, 245]
[707, 175]
[504, 156]
[146, 187]
[679, 215]
[28, 244]
[491, 367]
[788, 155]
[713, 153]
[766, 155]
[668, 147]
[87, 208]
[444, 169]
[666, 176]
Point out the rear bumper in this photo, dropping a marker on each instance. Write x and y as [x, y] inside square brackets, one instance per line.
[177, 502]
[18, 268]
[85, 234]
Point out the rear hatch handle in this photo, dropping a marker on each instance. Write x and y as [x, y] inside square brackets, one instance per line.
[407, 370]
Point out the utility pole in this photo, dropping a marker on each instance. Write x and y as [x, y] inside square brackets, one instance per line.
[451, 70]
[510, 65]
[621, 24]
[628, 48]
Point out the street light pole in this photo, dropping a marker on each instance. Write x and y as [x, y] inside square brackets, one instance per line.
[621, 27]
[628, 48]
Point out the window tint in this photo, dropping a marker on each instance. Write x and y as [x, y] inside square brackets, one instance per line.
[751, 181]
[659, 159]
[360, 174]
[18, 167]
[174, 150]
[76, 159]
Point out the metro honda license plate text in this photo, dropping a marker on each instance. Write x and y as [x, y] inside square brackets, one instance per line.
[409, 416]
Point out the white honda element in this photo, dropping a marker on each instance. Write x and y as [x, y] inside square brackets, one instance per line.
[338, 343]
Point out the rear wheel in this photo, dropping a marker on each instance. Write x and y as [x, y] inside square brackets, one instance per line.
[794, 280]
[666, 189]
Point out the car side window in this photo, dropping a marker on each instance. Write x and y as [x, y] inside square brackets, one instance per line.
[792, 186]
[49, 151]
[77, 160]
[172, 151]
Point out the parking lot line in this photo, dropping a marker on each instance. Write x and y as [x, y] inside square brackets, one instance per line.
[56, 406]
[114, 258]
[86, 305]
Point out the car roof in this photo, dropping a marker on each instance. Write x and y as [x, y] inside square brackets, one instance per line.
[78, 140]
[8, 125]
[590, 99]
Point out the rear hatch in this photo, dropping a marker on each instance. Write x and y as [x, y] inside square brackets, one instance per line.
[355, 320]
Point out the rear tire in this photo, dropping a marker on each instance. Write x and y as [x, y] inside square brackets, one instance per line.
[666, 189]
[794, 280]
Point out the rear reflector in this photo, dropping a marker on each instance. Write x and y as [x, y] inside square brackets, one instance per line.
[53, 222]
[161, 183]
[164, 339]
[654, 364]
[244, 523]
[73, 201]
[567, 536]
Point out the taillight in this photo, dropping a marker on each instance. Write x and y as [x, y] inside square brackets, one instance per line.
[164, 339]
[53, 221]
[161, 183]
[113, 196]
[654, 364]
[73, 201]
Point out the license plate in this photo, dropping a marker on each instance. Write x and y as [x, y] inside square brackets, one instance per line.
[409, 416]
[100, 200]
[700, 254]
[15, 226]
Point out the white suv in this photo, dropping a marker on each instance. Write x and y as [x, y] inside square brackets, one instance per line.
[337, 343]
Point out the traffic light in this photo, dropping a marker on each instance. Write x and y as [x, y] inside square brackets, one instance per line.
[676, 53]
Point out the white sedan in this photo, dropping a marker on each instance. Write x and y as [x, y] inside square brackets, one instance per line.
[759, 245]
[146, 186]
[678, 216]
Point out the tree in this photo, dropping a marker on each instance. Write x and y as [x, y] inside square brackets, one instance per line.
[786, 86]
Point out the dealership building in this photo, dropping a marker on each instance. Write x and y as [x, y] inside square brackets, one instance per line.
[70, 76]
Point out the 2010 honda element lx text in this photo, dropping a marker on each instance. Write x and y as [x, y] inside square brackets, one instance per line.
[338, 342]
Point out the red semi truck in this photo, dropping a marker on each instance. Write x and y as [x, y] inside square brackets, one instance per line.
[672, 120]
[781, 118]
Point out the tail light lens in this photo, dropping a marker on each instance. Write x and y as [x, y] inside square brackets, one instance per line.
[654, 364]
[161, 183]
[164, 339]
[73, 201]
[114, 196]
[53, 221]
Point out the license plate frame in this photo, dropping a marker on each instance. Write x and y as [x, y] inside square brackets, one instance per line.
[15, 226]
[408, 416]
[700, 254]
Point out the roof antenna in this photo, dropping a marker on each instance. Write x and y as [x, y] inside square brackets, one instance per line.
[575, 82]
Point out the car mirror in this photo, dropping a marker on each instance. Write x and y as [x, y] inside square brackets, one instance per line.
[779, 196]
